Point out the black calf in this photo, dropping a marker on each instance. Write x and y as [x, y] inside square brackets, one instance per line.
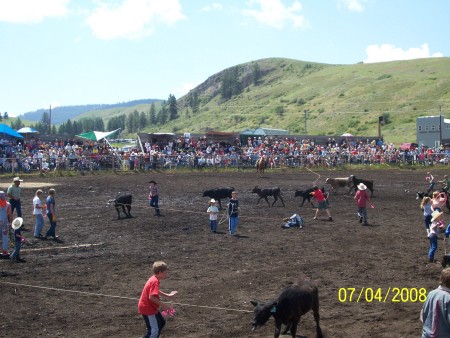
[288, 308]
[264, 193]
[124, 201]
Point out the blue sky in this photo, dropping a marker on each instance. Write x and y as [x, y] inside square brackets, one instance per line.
[63, 52]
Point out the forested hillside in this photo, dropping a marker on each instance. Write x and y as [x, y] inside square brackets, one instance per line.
[306, 98]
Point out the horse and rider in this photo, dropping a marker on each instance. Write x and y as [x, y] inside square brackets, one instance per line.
[261, 164]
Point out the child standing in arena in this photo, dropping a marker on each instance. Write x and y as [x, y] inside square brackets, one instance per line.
[150, 304]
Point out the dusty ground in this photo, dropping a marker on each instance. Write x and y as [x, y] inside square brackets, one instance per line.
[98, 269]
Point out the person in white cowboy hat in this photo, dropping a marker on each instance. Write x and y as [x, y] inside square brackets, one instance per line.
[362, 198]
[213, 212]
[5, 219]
[16, 224]
[437, 222]
[14, 192]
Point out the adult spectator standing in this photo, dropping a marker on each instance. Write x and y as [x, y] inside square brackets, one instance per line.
[435, 313]
[5, 220]
[154, 197]
[51, 214]
[14, 192]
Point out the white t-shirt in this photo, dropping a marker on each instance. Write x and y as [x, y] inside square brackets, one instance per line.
[37, 201]
[213, 211]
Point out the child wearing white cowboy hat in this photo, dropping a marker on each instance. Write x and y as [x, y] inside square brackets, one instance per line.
[436, 223]
[361, 198]
[18, 239]
[213, 212]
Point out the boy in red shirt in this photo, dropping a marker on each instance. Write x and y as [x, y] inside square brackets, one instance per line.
[149, 303]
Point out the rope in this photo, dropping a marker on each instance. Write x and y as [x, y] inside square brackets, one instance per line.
[120, 297]
[315, 174]
[53, 247]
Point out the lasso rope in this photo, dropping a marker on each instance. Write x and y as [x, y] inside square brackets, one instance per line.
[120, 297]
[315, 174]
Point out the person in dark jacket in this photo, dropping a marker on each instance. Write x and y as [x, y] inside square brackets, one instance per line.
[233, 208]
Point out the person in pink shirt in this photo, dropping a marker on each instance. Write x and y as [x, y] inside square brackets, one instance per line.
[361, 198]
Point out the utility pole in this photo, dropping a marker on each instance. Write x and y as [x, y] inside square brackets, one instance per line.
[440, 125]
[380, 121]
[306, 116]
[50, 121]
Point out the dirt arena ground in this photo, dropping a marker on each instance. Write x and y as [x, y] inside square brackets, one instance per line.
[87, 285]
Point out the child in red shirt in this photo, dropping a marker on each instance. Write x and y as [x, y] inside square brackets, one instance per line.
[322, 201]
[149, 303]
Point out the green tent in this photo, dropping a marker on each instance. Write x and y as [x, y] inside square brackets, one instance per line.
[97, 135]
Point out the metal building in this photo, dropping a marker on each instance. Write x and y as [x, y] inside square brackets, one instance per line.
[432, 131]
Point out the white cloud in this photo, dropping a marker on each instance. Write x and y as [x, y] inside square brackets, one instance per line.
[273, 13]
[387, 52]
[212, 7]
[133, 19]
[31, 11]
[184, 88]
[352, 5]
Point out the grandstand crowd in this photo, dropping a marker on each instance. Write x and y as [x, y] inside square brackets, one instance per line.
[76, 154]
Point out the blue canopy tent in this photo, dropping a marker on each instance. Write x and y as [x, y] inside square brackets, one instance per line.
[7, 130]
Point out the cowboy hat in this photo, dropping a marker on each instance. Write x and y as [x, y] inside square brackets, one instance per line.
[362, 186]
[17, 179]
[212, 201]
[17, 223]
[436, 214]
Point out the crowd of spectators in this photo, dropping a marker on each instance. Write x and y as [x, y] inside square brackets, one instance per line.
[34, 154]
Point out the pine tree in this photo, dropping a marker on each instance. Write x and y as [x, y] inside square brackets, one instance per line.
[230, 83]
[172, 106]
[163, 115]
[256, 73]
[143, 120]
[193, 101]
[152, 114]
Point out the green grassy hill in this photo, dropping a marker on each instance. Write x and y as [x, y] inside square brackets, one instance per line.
[338, 99]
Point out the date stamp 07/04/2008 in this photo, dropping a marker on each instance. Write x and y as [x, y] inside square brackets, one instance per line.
[391, 294]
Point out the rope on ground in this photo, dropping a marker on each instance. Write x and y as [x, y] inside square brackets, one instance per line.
[113, 296]
[62, 247]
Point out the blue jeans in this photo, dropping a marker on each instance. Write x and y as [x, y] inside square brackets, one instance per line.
[16, 252]
[232, 225]
[154, 203]
[362, 212]
[52, 230]
[16, 205]
[433, 247]
[213, 225]
[154, 324]
[38, 225]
